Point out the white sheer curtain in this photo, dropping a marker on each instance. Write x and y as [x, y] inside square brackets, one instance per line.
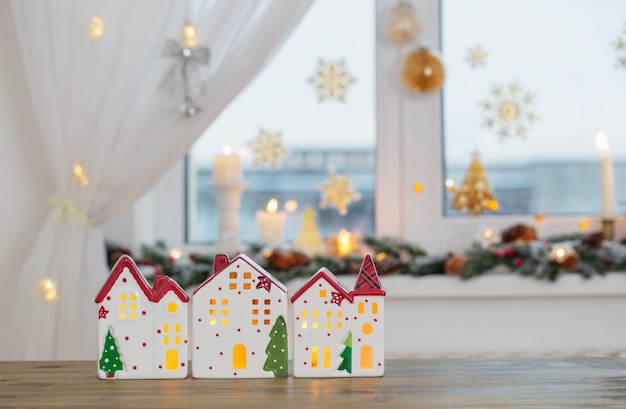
[99, 104]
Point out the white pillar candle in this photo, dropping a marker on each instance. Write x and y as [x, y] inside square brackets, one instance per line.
[271, 223]
[227, 167]
[608, 186]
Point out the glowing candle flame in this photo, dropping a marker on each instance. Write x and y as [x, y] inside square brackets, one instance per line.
[272, 206]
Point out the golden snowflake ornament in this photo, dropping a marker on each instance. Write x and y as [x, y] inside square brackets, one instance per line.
[509, 111]
[267, 148]
[337, 192]
[331, 80]
[476, 57]
[620, 50]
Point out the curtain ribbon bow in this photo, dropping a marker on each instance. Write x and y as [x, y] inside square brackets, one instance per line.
[69, 211]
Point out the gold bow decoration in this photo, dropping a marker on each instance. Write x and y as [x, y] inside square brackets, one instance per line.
[69, 211]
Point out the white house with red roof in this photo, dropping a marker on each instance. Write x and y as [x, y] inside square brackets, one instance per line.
[337, 332]
[142, 331]
[239, 322]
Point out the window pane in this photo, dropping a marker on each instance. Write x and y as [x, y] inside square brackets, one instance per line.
[321, 136]
[550, 79]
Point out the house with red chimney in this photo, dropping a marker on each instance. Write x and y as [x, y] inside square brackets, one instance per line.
[239, 322]
[142, 331]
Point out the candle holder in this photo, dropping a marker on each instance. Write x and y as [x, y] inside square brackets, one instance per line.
[608, 228]
[228, 198]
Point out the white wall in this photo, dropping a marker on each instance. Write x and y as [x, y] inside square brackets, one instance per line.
[24, 181]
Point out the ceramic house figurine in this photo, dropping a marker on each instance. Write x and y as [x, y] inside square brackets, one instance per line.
[142, 331]
[337, 332]
[239, 322]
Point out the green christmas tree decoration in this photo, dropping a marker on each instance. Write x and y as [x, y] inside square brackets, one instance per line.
[346, 355]
[110, 359]
[276, 350]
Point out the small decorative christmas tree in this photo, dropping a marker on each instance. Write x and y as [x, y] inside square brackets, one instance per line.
[276, 350]
[110, 359]
[475, 194]
[309, 239]
[346, 355]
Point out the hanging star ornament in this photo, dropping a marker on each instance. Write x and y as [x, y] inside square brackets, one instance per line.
[620, 49]
[476, 57]
[509, 111]
[331, 80]
[337, 298]
[102, 313]
[267, 148]
[337, 192]
[185, 75]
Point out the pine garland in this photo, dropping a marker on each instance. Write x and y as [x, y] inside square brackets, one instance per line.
[589, 256]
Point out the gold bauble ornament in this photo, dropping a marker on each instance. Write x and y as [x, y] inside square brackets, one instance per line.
[403, 26]
[422, 71]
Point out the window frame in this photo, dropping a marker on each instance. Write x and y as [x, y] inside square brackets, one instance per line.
[409, 151]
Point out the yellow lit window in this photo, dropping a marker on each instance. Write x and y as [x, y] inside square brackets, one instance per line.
[212, 312]
[255, 312]
[322, 293]
[315, 313]
[212, 321]
[232, 286]
[329, 325]
[247, 274]
[329, 314]
[122, 307]
[314, 324]
[255, 302]
[304, 324]
[266, 322]
[225, 301]
[122, 316]
[133, 316]
[304, 313]
[224, 312]
[375, 308]
[255, 322]
[314, 356]
[267, 302]
[267, 312]
[339, 314]
[177, 340]
[212, 301]
[233, 275]
[128, 301]
[177, 328]
[339, 325]
[133, 297]
[247, 286]
[166, 328]
[166, 340]
[123, 297]
[172, 307]
[224, 322]
[361, 308]
[326, 357]
[133, 307]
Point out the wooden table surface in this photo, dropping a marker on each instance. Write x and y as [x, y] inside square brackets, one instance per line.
[427, 383]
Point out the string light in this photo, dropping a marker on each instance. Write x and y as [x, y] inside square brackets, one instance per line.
[584, 224]
[176, 253]
[96, 28]
[418, 187]
[48, 289]
[189, 36]
[80, 175]
[540, 217]
[291, 206]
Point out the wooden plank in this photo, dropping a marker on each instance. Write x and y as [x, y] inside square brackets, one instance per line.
[467, 383]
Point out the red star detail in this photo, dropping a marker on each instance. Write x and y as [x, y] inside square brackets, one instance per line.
[102, 313]
[337, 298]
[264, 282]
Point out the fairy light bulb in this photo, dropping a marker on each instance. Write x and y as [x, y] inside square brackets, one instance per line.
[176, 253]
[96, 28]
[189, 36]
[48, 289]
